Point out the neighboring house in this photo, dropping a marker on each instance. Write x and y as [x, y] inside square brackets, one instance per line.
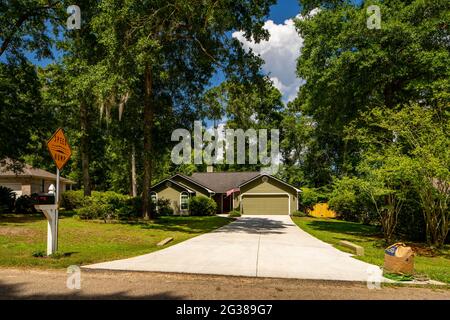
[30, 180]
[249, 192]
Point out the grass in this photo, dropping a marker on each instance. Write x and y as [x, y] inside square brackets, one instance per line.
[83, 242]
[434, 264]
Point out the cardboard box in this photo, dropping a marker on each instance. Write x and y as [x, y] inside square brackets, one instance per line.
[398, 258]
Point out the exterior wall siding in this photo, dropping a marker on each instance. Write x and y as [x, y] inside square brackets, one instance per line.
[171, 193]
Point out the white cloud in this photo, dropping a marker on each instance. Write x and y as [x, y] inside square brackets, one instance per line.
[280, 54]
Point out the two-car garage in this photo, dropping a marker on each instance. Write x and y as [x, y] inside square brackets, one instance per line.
[266, 195]
[265, 204]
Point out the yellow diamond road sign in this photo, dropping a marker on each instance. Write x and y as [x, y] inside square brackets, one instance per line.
[59, 148]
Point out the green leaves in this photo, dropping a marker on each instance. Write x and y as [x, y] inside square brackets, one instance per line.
[350, 69]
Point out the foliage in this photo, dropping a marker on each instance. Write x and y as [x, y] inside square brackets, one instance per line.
[202, 206]
[101, 205]
[234, 214]
[347, 200]
[413, 144]
[349, 69]
[38, 254]
[7, 198]
[24, 204]
[411, 222]
[22, 113]
[72, 199]
[299, 214]
[25, 26]
[310, 196]
[164, 207]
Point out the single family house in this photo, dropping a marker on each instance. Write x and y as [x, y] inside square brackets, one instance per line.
[252, 193]
[30, 180]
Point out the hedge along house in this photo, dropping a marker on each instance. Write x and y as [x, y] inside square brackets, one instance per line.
[252, 193]
[30, 180]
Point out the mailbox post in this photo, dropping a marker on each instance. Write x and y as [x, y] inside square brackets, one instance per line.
[59, 149]
[51, 213]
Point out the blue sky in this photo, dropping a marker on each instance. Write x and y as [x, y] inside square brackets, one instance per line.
[283, 10]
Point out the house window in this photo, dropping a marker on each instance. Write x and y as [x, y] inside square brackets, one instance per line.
[184, 201]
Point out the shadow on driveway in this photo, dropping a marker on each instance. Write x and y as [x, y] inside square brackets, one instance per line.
[255, 225]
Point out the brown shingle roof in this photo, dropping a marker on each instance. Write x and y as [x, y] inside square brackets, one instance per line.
[28, 171]
[221, 182]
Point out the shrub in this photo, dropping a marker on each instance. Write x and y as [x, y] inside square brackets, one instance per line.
[7, 198]
[299, 214]
[350, 203]
[71, 200]
[202, 206]
[164, 208]
[310, 196]
[411, 222]
[105, 205]
[39, 254]
[234, 214]
[94, 211]
[24, 204]
[125, 213]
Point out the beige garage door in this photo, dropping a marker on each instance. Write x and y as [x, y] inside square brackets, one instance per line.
[265, 204]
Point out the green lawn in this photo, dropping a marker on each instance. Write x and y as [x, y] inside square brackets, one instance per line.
[84, 242]
[435, 265]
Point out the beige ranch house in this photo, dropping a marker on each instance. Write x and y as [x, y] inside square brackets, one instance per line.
[30, 180]
[252, 193]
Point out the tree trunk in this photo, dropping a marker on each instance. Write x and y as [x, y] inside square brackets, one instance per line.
[148, 128]
[133, 172]
[84, 148]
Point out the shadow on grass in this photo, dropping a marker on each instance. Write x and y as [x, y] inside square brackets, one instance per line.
[349, 228]
[20, 218]
[189, 224]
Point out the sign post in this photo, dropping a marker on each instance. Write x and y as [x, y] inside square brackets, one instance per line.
[59, 149]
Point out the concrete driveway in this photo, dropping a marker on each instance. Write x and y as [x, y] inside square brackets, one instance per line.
[257, 246]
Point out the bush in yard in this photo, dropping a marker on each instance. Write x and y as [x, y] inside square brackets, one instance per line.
[234, 213]
[310, 196]
[411, 222]
[132, 209]
[95, 210]
[105, 205]
[164, 208]
[24, 204]
[7, 198]
[349, 202]
[299, 214]
[202, 206]
[71, 200]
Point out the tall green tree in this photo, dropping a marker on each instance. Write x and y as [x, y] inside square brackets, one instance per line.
[411, 145]
[172, 48]
[24, 122]
[349, 68]
[26, 25]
